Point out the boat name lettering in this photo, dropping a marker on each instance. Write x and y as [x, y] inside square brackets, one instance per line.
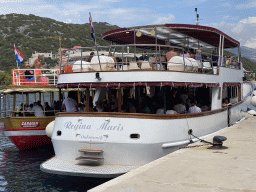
[91, 137]
[70, 125]
[29, 124]
[105, 126]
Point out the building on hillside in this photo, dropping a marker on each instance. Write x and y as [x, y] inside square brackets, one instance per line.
[35, 56]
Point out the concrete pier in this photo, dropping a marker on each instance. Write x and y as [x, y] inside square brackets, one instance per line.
[198, 168]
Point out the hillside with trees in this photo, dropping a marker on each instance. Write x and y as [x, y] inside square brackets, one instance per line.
[30, 33]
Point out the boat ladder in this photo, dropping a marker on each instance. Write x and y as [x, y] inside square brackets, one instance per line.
[90, 155]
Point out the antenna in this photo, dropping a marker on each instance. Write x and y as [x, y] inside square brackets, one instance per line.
[197, 17]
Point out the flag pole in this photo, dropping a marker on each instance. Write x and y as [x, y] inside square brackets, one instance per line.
[93, 29]
[93, 36]
[18, 73]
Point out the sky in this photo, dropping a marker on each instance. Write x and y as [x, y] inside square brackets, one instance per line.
[237, 18]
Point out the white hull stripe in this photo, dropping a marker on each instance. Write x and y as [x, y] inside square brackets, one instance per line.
[24, 133]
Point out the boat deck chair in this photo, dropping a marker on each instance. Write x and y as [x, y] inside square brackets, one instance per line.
[200, 65]
[133, 66]
[207, 66]
[194, 64]
[145, 65]
[188, 64]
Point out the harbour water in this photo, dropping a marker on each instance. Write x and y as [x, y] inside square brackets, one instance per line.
[20, 171]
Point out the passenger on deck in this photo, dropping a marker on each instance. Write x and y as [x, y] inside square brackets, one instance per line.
[20, 110]
[48, 109]
[153, 59]
[174, 96]
[99, 106]
[180, 107]
[188, 104]
[90, 57]
[170, 54]
[111, 55]
[170, 109]
[113, 103]
[38, 111]
[160, 110]
[144, 57]
[186, 55]
[198, 55]
[29, 74]
[214, 59]
[194, 108]
[70, 103]
[228, 61]
[37, 64]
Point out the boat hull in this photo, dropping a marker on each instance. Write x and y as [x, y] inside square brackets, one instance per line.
[27, 132]
[111, 133]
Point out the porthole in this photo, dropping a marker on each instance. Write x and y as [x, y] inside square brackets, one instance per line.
[135, 136]
[58, 133]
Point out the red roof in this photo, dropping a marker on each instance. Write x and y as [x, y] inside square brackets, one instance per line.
[176, 32]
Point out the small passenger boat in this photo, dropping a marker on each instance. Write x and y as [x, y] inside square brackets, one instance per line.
[20, 122]
[139, 88]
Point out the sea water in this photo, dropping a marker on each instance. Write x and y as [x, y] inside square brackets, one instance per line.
[20, 171]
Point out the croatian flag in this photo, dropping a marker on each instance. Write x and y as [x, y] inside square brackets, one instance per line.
[19, 56]
[91, 27]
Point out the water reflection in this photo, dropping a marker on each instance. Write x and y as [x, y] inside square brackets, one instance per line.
[20, 171]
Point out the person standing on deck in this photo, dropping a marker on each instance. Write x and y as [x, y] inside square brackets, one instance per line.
[170, 54]
[37, 64]
[70, 103]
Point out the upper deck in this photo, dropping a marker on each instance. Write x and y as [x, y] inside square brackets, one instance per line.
[38, 77]
[143, 56]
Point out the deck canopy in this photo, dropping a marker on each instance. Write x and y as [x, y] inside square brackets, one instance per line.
[182, 35]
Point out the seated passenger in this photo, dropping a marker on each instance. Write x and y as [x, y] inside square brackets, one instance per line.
[186, 55]
[90, 57]
[160, 111]
[113, 103]
[153, 59]
[29, 110]
[180, 107]
[170, 109]
[38, 111]
[111, 55]
[99, 106]
[48, 109]
[144, 57]
[29, 75]
[194, 108]
[20, 110]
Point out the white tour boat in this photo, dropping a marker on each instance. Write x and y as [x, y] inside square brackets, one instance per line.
[135, 96]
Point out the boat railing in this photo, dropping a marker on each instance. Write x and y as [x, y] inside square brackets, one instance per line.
[36, 77]
[212, 61]
[128, 57]
[25, 113]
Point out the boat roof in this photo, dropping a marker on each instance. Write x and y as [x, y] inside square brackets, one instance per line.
[181, 35]
[34, 89]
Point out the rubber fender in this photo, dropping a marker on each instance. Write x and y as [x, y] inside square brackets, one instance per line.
[49, 129]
